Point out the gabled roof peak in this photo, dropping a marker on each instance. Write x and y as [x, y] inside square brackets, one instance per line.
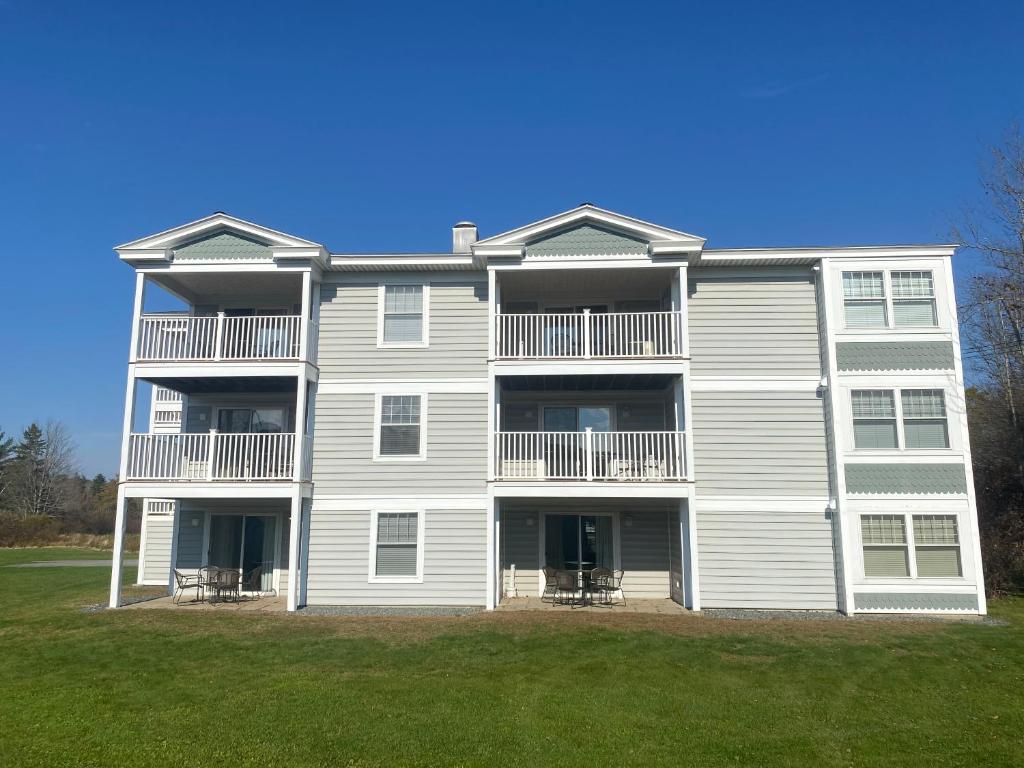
[215, 222]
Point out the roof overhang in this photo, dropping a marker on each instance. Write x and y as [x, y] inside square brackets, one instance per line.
[747, 257]
[159, 248]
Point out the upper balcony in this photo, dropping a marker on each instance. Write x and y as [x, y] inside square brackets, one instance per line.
[627, 314]
[178, 337]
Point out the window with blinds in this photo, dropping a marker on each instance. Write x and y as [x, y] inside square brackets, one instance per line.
[887, 549]
[913, 299]
[924, 418]
[400, 427]
[397, 542]
[402, 314]
[885, 546]
[874, 418]
[864, 299]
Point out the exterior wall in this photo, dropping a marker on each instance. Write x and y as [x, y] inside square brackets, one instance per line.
[759, 443]
[456, 456]
[677, 575]
[190, 555]
[454, 556]
[758, 322]
[457, 329]
[520, 546]
[772, 554]
[156, 558]
[644, 554]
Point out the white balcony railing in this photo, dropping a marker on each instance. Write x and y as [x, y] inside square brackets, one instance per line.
[586, 335]
[626, 456]
[215, 456]
[176, 337]
[166, 418]
[164, 395]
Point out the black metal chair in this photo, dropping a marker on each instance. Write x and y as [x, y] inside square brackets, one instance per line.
[549, 583]
[253, 581]
[615, 585]
[208, 579]
[227, 584]
[184, 582]
[566, 587]
[600, 585]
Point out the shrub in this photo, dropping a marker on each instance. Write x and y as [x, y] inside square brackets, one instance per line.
[27, 531]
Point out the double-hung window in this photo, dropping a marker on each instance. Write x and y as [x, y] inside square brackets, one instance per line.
[400, 431]
[913, 299]
[917, 420]
[896, 299]
[864, 299]
[403, 315]
[396, 547]
[904, 546]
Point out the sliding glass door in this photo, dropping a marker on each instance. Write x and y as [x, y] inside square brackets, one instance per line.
[244, 543]
[578, 542]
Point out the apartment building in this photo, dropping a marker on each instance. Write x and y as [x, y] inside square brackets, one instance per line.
[743, 428]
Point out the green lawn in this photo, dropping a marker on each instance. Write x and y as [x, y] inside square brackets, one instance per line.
[211, 689]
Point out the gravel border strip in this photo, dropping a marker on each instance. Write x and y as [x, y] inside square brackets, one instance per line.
[746, 614]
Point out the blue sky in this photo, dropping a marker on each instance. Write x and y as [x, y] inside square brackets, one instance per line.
[377, 126]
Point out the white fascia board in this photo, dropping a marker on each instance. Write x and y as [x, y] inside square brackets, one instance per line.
[592, 490]
[316, 255]
[499, 251]
[144, 256]
[563, 367]
[340, 262]
[712, 256]
[199, 369]
[591, 262]
[675, 247]
[171, 237]
[643, 229]
[187, 489]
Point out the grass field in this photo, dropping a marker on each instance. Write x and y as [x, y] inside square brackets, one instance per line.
[162, 688]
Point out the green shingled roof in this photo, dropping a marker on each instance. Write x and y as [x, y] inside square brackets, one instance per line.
[906, 478]
[586, 240]
[894, 356]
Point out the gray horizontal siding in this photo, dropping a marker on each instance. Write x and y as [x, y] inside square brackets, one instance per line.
[766, 559]
[677, 579]
[454, 560]
[456, 448]
[190, 539]
[519, 547]
[891, 601]
[764, 324]
[457, 331]
[906, 478]
[157, 557]
[894, 356]
[644, 550]
[765, 442]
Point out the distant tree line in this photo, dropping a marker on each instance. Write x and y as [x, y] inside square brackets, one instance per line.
[43, 496]
[993, 329]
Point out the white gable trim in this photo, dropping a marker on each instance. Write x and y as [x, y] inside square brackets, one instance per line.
[680, 241]
[175, 236]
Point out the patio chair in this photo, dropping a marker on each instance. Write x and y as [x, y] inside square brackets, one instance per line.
[614, 582]
[208, 579]
[549, 583]
[565, 587]
[600, 585]
[227, 584]
[184, 582]
[253, 581]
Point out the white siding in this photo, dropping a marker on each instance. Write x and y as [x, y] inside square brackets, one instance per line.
[766, 558]
[456, 448]
[156, 560]
[764, 322]
[770, 443]
[454, 559]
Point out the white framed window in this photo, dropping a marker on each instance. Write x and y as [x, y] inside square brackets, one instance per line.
[890, 299]
[913, 299]
[906, 546]
[400, 428]
[864, 301]
[916, 420]
[396, 546]
[403, 314]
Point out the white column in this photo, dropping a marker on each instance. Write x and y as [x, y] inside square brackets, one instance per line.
[119, 529]
[493, 307]
[492, 506]
[140, 572]
[304, 316]
[300, 427]
[688, 523]
[137, 308]
[294, 536]
[175, 525]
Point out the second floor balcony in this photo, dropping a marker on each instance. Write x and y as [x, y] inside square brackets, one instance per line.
[179, 337]
[588, 335]
[217, 456]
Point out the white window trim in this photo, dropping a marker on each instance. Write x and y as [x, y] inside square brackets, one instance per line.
[425, 342]
[901, 441]
[911, 548]
[890, 328]
[378, 399]
[372, 577]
